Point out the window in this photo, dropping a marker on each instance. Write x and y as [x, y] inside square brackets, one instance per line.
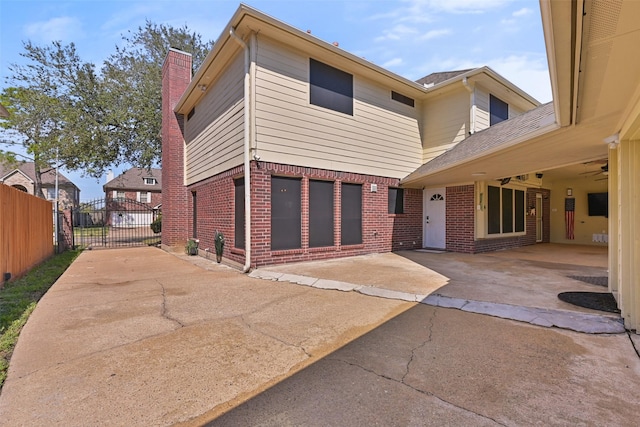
[150, 181]
[51, 193]
[330, 88]
[320, 213]
[286, 213]
[498, 110]
[396, 200]
[506, 213]
[119, 195]
[402, 98]
[194, 204]
[144, 197]
[238, 236]
[351, 214]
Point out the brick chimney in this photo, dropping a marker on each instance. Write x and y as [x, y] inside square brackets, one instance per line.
[176, 76]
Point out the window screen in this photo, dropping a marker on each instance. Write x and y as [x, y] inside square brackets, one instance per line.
[507, 210]
[330, 88]
[351, 214]
[493, 210]
[238, 234]
[285, 213]
[519, 215]
[498, 110]
[194, 203]
[320, 213]
[396, 200]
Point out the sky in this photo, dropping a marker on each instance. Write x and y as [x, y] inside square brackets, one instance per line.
[411, 38]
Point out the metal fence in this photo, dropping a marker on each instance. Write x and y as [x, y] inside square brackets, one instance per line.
[108, 223]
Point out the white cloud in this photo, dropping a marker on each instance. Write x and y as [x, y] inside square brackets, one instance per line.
[522, 12]
[393, 62]
[64, 28]
[456, 6]
[529, 74]
[398, 32]
[434, 34]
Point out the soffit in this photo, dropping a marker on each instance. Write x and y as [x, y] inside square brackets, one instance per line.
[609, 62]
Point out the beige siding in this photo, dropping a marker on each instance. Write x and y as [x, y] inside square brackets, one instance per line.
[381, 138]
[482, 109]
[214, 135]
[446, 122]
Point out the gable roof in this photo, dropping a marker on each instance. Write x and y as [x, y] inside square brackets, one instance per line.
[29, 170]
[491, 139]
[133, 179]
[435, 78]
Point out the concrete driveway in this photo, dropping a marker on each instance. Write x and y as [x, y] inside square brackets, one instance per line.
[144, 337]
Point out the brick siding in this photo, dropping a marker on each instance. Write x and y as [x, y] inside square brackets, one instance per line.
[381, 231]
[176, 75]
[460, 234]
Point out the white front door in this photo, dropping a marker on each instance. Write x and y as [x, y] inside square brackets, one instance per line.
[434, 218]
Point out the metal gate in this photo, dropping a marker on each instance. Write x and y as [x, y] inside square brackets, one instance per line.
[110, 223]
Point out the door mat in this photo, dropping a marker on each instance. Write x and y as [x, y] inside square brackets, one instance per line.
[430, 251]
[601, 301]
[593, 280]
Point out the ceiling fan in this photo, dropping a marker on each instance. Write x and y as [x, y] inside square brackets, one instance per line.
[604, 170]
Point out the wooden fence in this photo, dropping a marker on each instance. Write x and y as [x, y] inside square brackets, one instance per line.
[26, 232]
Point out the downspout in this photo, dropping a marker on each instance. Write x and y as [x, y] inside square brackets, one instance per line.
[472, 119]
[247, 149]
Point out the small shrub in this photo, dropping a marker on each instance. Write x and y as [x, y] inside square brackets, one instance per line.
[156, 225]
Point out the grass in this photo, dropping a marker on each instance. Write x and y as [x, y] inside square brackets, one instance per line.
[90, 231]
[18, 299]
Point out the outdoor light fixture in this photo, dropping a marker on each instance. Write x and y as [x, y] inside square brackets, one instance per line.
[612, 140]
[569, 192]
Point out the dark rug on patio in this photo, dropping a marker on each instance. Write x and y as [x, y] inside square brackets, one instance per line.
[593, 280]
[602, 301]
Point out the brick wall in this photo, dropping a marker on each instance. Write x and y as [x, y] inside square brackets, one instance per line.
[460, 222]
[460, 234]
[381, 232]
[176, 75]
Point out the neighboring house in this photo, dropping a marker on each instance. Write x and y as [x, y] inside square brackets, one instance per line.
[23, 177]
[134, 198]
[139, 184]
[298, 150]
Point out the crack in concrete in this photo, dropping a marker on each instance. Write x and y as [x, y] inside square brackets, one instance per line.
[280, 340]
[633, 344]
[164, 312]
[413, 350]
[426, 393]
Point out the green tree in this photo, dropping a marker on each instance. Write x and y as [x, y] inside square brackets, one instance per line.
[61, 106]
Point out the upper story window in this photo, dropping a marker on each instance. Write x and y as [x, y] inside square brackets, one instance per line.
[51, 193]
[120, 195]
[150, 181]
[402, 98]
[330, 88]
[498, 110]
